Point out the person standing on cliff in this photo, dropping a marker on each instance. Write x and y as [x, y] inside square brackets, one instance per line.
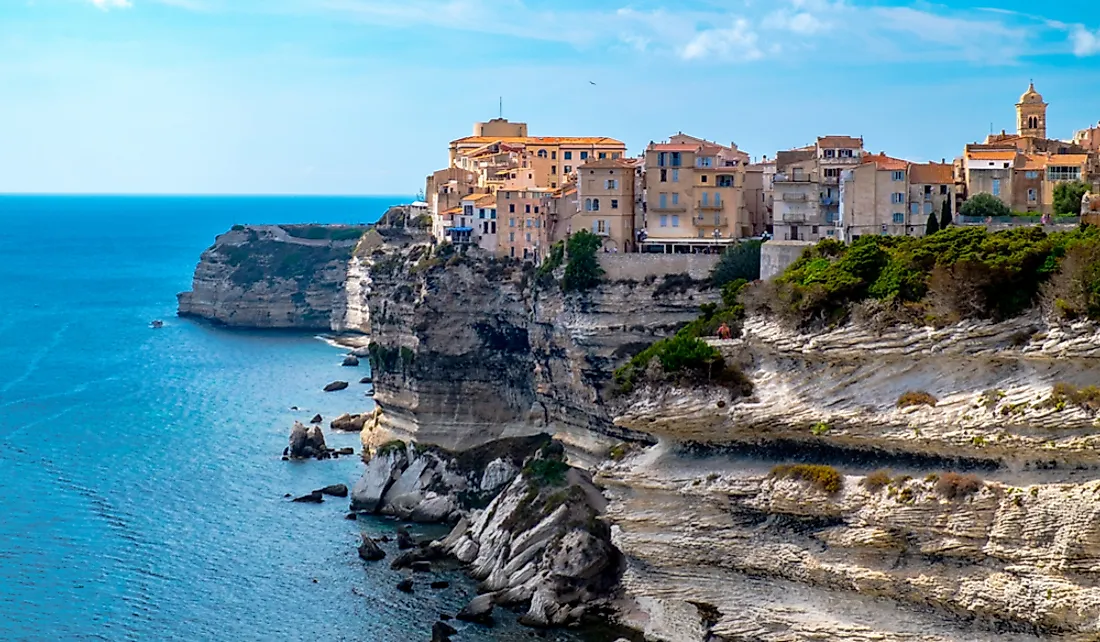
[724, 332]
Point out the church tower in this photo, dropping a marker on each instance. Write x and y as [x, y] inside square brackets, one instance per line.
[1031, 114]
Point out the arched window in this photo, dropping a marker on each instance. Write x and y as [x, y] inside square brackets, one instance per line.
[588, 205]
[542, 153]
[595, 205]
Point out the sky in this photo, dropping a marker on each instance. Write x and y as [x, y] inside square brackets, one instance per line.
[362, 96]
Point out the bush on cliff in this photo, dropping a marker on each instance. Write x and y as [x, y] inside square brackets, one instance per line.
[684, 359]
[739, 261]
[957, 273]
[583, 271]
[824, 478]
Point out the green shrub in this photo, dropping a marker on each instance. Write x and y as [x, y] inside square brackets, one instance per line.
[1063, 394]
[984, 206]
[542, 473]
[395, 445]
[916, 398]
[740, 261]
[553, 260]
[238, 228]
[824, 478]
[1067, 197]
[583, 271]
[877, 480]
[820, 429]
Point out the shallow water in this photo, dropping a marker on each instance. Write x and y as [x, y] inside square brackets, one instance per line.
[141, 488]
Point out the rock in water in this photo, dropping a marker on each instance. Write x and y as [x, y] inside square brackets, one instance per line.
[349, 423]
[366, 380]
[313, 498]
[404, 539]
[316, 419]
[442, 632]
[336, 385]
[335, 490]
[440, 584]
[405, 586]
[381, 472]
[369, 550]
[350, 361]
[306, 442]
[479, 610]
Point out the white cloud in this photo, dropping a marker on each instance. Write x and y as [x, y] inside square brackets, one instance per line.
[737, 42]
[112, 4]
[1085, 42]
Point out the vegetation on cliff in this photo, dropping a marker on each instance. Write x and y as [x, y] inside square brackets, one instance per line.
[956, 273]
[326, 232]
[264, 260]
[583, 271]
[740, 261]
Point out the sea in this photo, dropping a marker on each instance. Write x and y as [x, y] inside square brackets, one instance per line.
[142, 492]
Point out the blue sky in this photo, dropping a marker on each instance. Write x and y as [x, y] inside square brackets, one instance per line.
[361, 96]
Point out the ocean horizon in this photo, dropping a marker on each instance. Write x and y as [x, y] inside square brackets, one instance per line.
[144, 495]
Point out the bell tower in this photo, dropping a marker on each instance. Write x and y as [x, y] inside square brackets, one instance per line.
[1031, 114]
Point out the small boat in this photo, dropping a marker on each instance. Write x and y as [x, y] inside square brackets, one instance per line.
[156, 325]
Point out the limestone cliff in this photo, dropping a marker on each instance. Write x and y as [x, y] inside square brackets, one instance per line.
[275, 277]
[971, 519]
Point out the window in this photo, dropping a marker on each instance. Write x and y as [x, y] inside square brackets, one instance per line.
[568, 155]
[595, 205]
[664, 220]
[943, 189]
[846, 153]
[813, 229]
[513, 252]
[706, 199]
[481, 213]
[614, 203]
[527, 208]
[538, 223]
[1032, 175]
[1063, 173]
[675, 176]
[928, 208]
[830, 153]
[529, 223]
[703, 178]
[493, 214]
[664, 200]
[588, 205]
[536, 209]
[914, 208]
[611, 183]
[675, 220]
[511, 237]
[1031, 195]
[553, 169]
[898, 176]
[528, 237]
[511, 208]
[676, 198]
[996, 187]
[492, 227]
[553, 155]
[603, 155]
[674, 158]
[615, 155]
[899, 217]
[662, 159]
[568, 169]
[725, 180]
[704, 161]
[584, 155]
[511, 222]
[507, 195]
[601, 226]
[832, 172]
[664, 175]
[468, 210]
[897, 197]
[717, 199]
[542, 153]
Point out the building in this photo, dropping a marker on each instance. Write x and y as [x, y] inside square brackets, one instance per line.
[564, 205]
[759, 195]
[1031, 114]
[990, 171]
[930, 184]
[875, 199]
[605, 191]
[694, 195]
[522, 215]
[444, 191]
[806, 201]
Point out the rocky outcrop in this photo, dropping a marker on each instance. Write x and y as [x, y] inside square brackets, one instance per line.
[306, 442]
[539, 544]
[428, 484]
[275, 277]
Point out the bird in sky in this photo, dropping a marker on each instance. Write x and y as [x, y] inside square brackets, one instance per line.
[591, 83]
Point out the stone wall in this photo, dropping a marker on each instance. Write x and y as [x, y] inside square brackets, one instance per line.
[775, 256]
[636, 267]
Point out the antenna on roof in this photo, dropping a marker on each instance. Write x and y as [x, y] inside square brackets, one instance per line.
[502, 107]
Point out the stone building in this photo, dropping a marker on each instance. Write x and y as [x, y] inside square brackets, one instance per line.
[807, 187]
[605, 190]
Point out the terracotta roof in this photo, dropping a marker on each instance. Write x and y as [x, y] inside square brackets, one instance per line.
[931, 173]
[1031, 161]
[487, 199]
[1068, 159]
[453, 210]
[839, 142]
[991, 155]
[539, 140]
[674, 147]
[885, 162]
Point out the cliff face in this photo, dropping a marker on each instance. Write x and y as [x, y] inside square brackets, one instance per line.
[275, 277]
[973, 519]
[470, 350]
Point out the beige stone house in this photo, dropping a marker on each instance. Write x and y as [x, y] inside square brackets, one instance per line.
[605, 190]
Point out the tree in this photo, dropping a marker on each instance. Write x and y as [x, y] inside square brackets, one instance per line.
[583, 271]
[984, 206]
[945, 213]
[1067, 197]
[739, 261]
[932, 226]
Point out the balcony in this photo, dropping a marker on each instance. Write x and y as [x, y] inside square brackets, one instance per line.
[794, 217]
[791, 197]
[674, 207]
[716, 207]
[838, 160]
[829, 200]
[710, 221]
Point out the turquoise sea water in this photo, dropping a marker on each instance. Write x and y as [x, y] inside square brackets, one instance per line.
[141, 489]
